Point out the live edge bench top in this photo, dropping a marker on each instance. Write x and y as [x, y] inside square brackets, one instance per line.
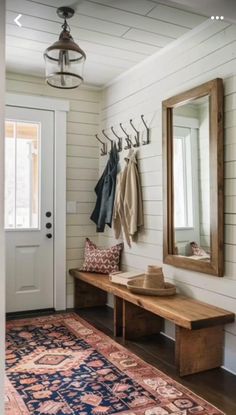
[181, 310]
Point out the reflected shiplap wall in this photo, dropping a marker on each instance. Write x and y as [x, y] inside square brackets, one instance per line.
[209, 53]
[82, 160]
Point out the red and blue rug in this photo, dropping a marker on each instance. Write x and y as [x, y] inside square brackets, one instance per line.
[61, 365]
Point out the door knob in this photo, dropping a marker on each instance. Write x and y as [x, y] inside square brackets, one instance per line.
[48, 225]
[48, 214]
[49, 235]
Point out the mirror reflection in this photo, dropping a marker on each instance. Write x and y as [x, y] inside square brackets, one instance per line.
[191, 168]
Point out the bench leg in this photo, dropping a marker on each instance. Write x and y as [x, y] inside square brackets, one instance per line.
[86, 295]
[198, 350]
[118, 316]
[138, 322]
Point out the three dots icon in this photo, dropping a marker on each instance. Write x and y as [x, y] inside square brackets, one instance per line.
[217, 17]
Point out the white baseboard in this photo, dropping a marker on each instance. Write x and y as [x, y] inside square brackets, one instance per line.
[110, 300]
[166, 335]
[228, 370]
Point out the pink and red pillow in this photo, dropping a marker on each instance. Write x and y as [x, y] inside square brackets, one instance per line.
[102, 261]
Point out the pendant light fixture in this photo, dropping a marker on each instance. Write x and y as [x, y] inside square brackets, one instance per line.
[64, 59]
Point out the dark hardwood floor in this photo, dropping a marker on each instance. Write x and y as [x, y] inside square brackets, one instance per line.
[217, 386]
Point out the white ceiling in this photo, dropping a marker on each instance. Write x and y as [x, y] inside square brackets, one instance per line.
[226, 8]
[115, 34]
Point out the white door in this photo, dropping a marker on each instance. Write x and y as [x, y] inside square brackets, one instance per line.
[29, 187]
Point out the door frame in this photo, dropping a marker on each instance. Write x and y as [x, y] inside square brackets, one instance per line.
[60, 109]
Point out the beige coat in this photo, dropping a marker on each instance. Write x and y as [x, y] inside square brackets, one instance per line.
[128, 208]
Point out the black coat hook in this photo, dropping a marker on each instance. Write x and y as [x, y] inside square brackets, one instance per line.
[127, 139]
[147, 141]
[108, 138]
[103, 150]
[119, 145]
[137, 143]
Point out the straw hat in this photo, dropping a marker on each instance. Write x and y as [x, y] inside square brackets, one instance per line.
[154, 277]
[152, 283]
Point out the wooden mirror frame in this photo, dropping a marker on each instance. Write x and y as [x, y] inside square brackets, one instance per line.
[213, 89]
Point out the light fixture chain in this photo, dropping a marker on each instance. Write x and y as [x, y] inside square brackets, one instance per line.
[65, 26]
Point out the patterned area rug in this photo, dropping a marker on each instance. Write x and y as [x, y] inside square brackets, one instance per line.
[60, 365]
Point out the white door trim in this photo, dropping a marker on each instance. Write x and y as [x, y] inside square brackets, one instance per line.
[38, 102]
[60, 108]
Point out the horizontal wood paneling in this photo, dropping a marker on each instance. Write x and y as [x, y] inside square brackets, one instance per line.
[99, 53]
[81, 128]
[154, 39]
[85, 207]
[181, 61]
[176, 16]
[82, 197]
[142, 7]
[207, 54]
[131, 19]
[81, 140]
[38, 10]
[82, 160]
[85, 151]
[76, 185]
[230, 219]
[152, 193]
[152, 208]
[81, 174]
[115, 35]
[36, 86]
[74, 242]
[138, 262]
[153, 222]
[75, 254]
[80, 230]
[151, 179]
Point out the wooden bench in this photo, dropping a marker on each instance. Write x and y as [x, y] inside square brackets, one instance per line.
[199, 326]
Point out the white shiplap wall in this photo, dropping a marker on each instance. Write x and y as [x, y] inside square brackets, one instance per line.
[209, 52]
[82, 160]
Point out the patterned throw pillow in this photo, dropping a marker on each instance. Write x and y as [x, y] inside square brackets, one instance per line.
[99, 260]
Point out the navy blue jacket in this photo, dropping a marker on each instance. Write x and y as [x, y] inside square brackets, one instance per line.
[105, 191]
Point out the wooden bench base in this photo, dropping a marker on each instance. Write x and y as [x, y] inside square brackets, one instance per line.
[138, 322]
[196, 349]
[87, 295]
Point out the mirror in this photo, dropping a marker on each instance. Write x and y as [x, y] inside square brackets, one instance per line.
[191, 185]
[193, 179]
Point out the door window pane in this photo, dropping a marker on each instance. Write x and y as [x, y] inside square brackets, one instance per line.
[22, 148]
[179, 194]
[183, 195]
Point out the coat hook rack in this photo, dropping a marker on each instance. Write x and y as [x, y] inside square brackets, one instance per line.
[103, 150]
[119, 145]
[147, 141]
[127, 139]
[108, 138]
[137, 143]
